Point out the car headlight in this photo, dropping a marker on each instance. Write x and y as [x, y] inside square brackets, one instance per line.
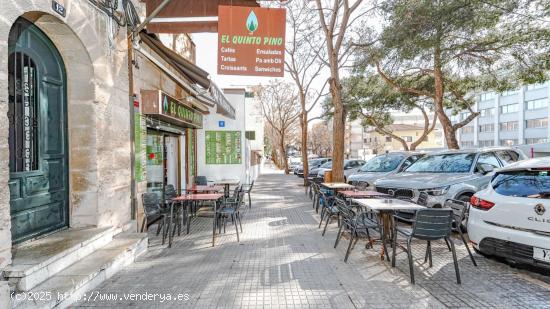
[437, 191]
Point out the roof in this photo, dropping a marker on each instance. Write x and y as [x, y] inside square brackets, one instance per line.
[472, 150]
[536, 163]
[400, 127]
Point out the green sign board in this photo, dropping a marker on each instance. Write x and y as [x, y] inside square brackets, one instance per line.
[173, 108]
[223, 147]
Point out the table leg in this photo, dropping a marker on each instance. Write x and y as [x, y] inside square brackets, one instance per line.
[170, 225]
[386, 231]
[215, 223]
[187, 216]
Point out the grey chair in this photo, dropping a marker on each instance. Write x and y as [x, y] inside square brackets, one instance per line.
[155, 214]
[231, 209]
[315, 189]
[428, 225]
[328, 210]
[460, 209]
[201, 181]
[356, 224]
[247, 189]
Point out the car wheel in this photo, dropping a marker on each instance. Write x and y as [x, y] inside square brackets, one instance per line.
[464, 198]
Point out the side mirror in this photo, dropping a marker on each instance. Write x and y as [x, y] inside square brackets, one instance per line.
[485, 168]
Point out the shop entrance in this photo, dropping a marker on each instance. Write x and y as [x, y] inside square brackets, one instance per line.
[165, 161]
[37, 134]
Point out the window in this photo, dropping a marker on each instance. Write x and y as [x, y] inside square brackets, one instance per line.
[464, 115]
[508, 142]
[487, 96]
[443, 163]
[509, 92]
[388, 139]
[407, 139]
[486, 143]
[536, 104]
[488, 158]
[382, 163]
[537, 123]
[536, 140]
[467, 130]
[510, 108]
[490, 127]
[466, 144]
[507, 156]
[535, 86]
[487, 112]
[250, 135]
[249, 94]
[532, 184]
[509, 126]
[23, 113]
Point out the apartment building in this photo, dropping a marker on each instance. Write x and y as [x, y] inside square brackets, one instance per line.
[515, 117]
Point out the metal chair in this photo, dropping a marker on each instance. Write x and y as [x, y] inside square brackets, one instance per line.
[459, 213]
[355, 223]
[315, 188]
[247, 189]
[154, 213]
[231, 209]
[328, 210]
[429, 225]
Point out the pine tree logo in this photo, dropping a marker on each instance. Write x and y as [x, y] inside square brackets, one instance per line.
[252, 22]
[165, 104]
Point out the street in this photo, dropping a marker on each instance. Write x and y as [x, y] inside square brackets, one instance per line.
[283, 262]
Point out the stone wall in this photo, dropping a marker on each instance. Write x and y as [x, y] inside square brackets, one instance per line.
[98, 106]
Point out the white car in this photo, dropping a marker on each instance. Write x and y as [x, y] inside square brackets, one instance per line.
[511, 217]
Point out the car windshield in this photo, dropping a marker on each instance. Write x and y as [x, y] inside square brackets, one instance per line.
[315, 162]
[444, 163]
[382, 163]
[327, 165]
[533, 184]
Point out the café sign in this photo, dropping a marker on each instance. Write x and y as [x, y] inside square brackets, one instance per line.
[251, 41]
[164, 107]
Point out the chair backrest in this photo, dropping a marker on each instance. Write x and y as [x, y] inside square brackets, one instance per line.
[201, 181]
[236, 191]
[422, 198]
[345, 211]
[459, 209]
[328, 199]
[151, 203]
[170, 192]
[315, 187]
[432, 224]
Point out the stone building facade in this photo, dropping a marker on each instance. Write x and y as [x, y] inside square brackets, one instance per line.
[93, 49]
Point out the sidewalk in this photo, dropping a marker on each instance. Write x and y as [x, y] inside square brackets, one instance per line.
[283, 262]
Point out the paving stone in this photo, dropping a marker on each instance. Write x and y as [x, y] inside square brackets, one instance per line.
[283, 262]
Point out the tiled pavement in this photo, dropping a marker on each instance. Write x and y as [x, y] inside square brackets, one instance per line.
[283, 262]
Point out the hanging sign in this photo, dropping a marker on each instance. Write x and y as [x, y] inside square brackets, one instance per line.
[158, 104]
[251, 41]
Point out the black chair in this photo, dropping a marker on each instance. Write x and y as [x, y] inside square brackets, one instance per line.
[429, 225]
[231, 209]
[247, 189]
[328, 210]
[459, 213]
[355, 223]
[315, 189]
[155, 214]
[201, 181]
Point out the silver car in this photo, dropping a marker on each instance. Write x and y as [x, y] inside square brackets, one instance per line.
[451, 174]
[381, 166]
[350, 166]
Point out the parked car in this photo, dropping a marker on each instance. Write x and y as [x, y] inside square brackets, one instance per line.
[451, 174]
[350, 166]
[293, 162]
[381, 166]
[511, 218]
[313, 164]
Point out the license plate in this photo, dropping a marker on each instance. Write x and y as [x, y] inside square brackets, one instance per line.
[541, 254]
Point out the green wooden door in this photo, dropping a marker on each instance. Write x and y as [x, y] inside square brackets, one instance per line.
[38, 134]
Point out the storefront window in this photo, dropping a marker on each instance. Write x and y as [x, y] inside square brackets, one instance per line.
[155, 162]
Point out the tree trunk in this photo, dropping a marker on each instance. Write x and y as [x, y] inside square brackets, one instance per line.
[450, 133]
[283, 154]
[338, 133]
[303, 125]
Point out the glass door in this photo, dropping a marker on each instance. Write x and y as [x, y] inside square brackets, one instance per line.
[155, 162]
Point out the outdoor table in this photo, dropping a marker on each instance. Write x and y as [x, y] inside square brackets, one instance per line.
[337, 185]
[362, 194]
[204, 189]
[385, 207]
[191, 198]
[226, 183]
